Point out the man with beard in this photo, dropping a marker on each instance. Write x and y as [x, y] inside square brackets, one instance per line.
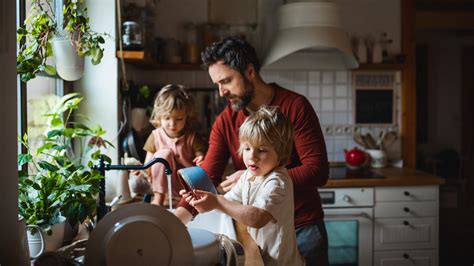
[234, 67]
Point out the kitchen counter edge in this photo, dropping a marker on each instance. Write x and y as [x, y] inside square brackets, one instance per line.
[392, 177]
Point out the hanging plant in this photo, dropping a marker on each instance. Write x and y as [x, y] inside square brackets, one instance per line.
[41, 27]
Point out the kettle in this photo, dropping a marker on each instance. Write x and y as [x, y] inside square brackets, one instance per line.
[356, 158]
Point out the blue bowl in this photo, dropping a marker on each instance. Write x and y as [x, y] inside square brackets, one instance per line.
[195, 178]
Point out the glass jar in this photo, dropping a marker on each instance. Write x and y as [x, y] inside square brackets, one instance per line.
[132, 36]
[192, 47]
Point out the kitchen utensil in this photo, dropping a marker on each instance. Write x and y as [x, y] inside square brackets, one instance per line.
[388, 138]
[195, 178]
[370, 141]
[355, 158]
[359, 139]
[206, 247]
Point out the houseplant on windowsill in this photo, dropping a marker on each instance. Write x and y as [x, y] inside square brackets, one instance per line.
[64, 34]
[60, 182]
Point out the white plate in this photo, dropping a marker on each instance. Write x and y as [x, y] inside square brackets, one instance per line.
[139, 234]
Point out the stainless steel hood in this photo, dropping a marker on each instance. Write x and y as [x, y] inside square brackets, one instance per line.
[309, 36]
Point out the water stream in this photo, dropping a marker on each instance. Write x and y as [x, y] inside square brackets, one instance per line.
[170, 193]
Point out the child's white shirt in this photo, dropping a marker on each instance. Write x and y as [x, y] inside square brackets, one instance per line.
[274, 194]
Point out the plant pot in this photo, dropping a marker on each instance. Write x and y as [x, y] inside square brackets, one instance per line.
[70, 232]
[37, 245]
[69, 65]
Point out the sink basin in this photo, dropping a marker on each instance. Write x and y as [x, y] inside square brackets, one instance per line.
[215, 222]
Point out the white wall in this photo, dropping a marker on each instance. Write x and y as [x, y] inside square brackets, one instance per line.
[100, 86]
[9, 234]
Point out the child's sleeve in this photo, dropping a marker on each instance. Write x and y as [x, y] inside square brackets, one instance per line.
[150, 144]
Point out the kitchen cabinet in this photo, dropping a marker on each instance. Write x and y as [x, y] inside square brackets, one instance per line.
[406, 225]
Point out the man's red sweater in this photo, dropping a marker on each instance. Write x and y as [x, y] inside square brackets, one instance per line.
[308, 166]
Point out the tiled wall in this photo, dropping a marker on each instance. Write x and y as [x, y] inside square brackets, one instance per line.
[330, 93]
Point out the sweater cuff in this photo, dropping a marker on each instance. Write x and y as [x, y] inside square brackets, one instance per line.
[183, 203]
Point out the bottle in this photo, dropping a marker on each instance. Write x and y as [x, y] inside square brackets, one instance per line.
[361, 50]
[377, 52]
[192, 48]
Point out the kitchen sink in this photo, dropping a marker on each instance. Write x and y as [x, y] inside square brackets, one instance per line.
[215, 222]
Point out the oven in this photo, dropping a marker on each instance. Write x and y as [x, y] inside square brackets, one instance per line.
[348, 214]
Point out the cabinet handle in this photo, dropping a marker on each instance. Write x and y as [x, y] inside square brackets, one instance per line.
[406, 223]
[406, 209]
[406, 193]
[406, 256]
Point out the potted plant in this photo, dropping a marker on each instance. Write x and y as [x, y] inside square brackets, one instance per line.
[65, 34]
[58, 180]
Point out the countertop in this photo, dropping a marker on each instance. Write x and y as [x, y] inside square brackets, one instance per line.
[392, 177]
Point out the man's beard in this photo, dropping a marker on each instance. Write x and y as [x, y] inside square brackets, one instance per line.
[240, 102]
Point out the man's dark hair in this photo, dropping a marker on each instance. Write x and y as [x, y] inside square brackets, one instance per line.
[234, 51]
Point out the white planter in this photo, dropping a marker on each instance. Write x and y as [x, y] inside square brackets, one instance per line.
[37, 244]
[69, 65]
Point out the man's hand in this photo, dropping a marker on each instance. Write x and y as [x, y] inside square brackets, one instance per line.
[198, 160]
[229, 182]
[203, 201]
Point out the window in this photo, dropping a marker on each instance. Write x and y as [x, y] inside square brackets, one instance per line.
[37, 96]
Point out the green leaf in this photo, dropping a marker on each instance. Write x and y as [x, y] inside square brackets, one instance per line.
[55, 132]
[50, 70]
[23, 159]
[47, 166]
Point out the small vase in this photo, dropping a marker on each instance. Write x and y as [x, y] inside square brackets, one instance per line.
[69, 65]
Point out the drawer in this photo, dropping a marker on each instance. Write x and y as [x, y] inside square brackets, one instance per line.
[406, 209]
[406, 258]
[418, 193]
[346, 197]
[406, 233]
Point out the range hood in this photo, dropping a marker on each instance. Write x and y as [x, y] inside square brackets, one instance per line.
[309, 36]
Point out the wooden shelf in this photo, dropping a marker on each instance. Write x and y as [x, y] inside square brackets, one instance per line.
[381, 66]
[138, 59]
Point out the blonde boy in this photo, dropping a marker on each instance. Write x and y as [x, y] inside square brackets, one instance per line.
[263, 197]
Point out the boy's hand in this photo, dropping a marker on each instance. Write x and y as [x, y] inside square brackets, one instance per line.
[198, 160]
[203, 201]
[230, 181]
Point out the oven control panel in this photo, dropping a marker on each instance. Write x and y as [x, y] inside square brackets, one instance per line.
[347, 197]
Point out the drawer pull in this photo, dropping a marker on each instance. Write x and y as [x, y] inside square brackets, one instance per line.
[406, 209]
[406, 256]
[406, 223]
[406, 193]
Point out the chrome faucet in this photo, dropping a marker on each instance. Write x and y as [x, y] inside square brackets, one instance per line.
[102, 167]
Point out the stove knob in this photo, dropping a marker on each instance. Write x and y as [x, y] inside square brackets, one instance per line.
[346, 198]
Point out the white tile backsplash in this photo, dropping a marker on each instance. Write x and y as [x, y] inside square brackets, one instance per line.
[327, 105]
[314, 90]
[314, 77]
[328, 91]
[342, 90]
[328, 77]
